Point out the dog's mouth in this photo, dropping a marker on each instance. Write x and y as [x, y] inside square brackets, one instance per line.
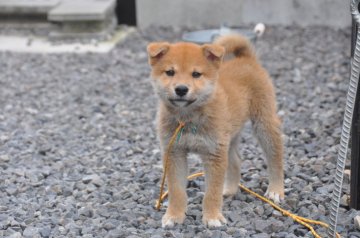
[181, 102]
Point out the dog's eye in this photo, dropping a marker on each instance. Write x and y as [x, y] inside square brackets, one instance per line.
[196, 74]
[170, 72]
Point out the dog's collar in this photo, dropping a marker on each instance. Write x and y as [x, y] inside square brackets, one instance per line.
[184, 126]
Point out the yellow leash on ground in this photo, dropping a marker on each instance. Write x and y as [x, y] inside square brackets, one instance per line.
[302, 220]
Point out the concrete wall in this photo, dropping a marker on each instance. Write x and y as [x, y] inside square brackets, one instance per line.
[334, 13]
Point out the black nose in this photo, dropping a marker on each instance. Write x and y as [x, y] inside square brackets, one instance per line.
[181, 90]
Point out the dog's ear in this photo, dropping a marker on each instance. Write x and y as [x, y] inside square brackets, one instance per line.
[156, 51]
[214, 53]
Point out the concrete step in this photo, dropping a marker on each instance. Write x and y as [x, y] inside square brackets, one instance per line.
[27, 7]
[83, 10]
[68, 18]
[83, 18]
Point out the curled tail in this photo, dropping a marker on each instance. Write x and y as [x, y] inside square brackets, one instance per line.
[237, 44]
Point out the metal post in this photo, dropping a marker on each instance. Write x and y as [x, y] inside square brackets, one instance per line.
[355, 139]
[347, 124]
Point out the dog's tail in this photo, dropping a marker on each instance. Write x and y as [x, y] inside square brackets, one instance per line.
[237, 44]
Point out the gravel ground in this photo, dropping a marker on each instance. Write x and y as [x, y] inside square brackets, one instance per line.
[79, 155]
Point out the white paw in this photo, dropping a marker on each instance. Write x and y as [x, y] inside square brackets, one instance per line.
[227, 192]
[215, 222]
[276, 197]
[169, 221]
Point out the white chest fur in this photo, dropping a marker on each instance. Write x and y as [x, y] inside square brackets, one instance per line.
[196, 140]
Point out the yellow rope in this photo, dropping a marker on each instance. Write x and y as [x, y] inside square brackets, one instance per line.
[302, 220]
[166, 161]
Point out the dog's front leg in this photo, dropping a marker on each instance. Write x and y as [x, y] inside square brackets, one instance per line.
[176, 180]
[215, 169]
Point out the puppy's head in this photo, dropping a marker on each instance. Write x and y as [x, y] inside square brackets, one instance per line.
[184, 74]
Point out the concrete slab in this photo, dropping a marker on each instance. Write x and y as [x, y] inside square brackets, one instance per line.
[83, 29]
[43, 46]
[333, 13]
[32, 7]
[82, 10]
[187, 13]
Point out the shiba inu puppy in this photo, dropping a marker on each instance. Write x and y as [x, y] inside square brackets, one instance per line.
[214, 99]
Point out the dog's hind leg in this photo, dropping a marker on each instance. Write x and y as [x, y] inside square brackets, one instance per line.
[267, 128]
[232, 177]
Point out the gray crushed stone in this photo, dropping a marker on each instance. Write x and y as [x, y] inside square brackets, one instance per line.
[79, 155]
